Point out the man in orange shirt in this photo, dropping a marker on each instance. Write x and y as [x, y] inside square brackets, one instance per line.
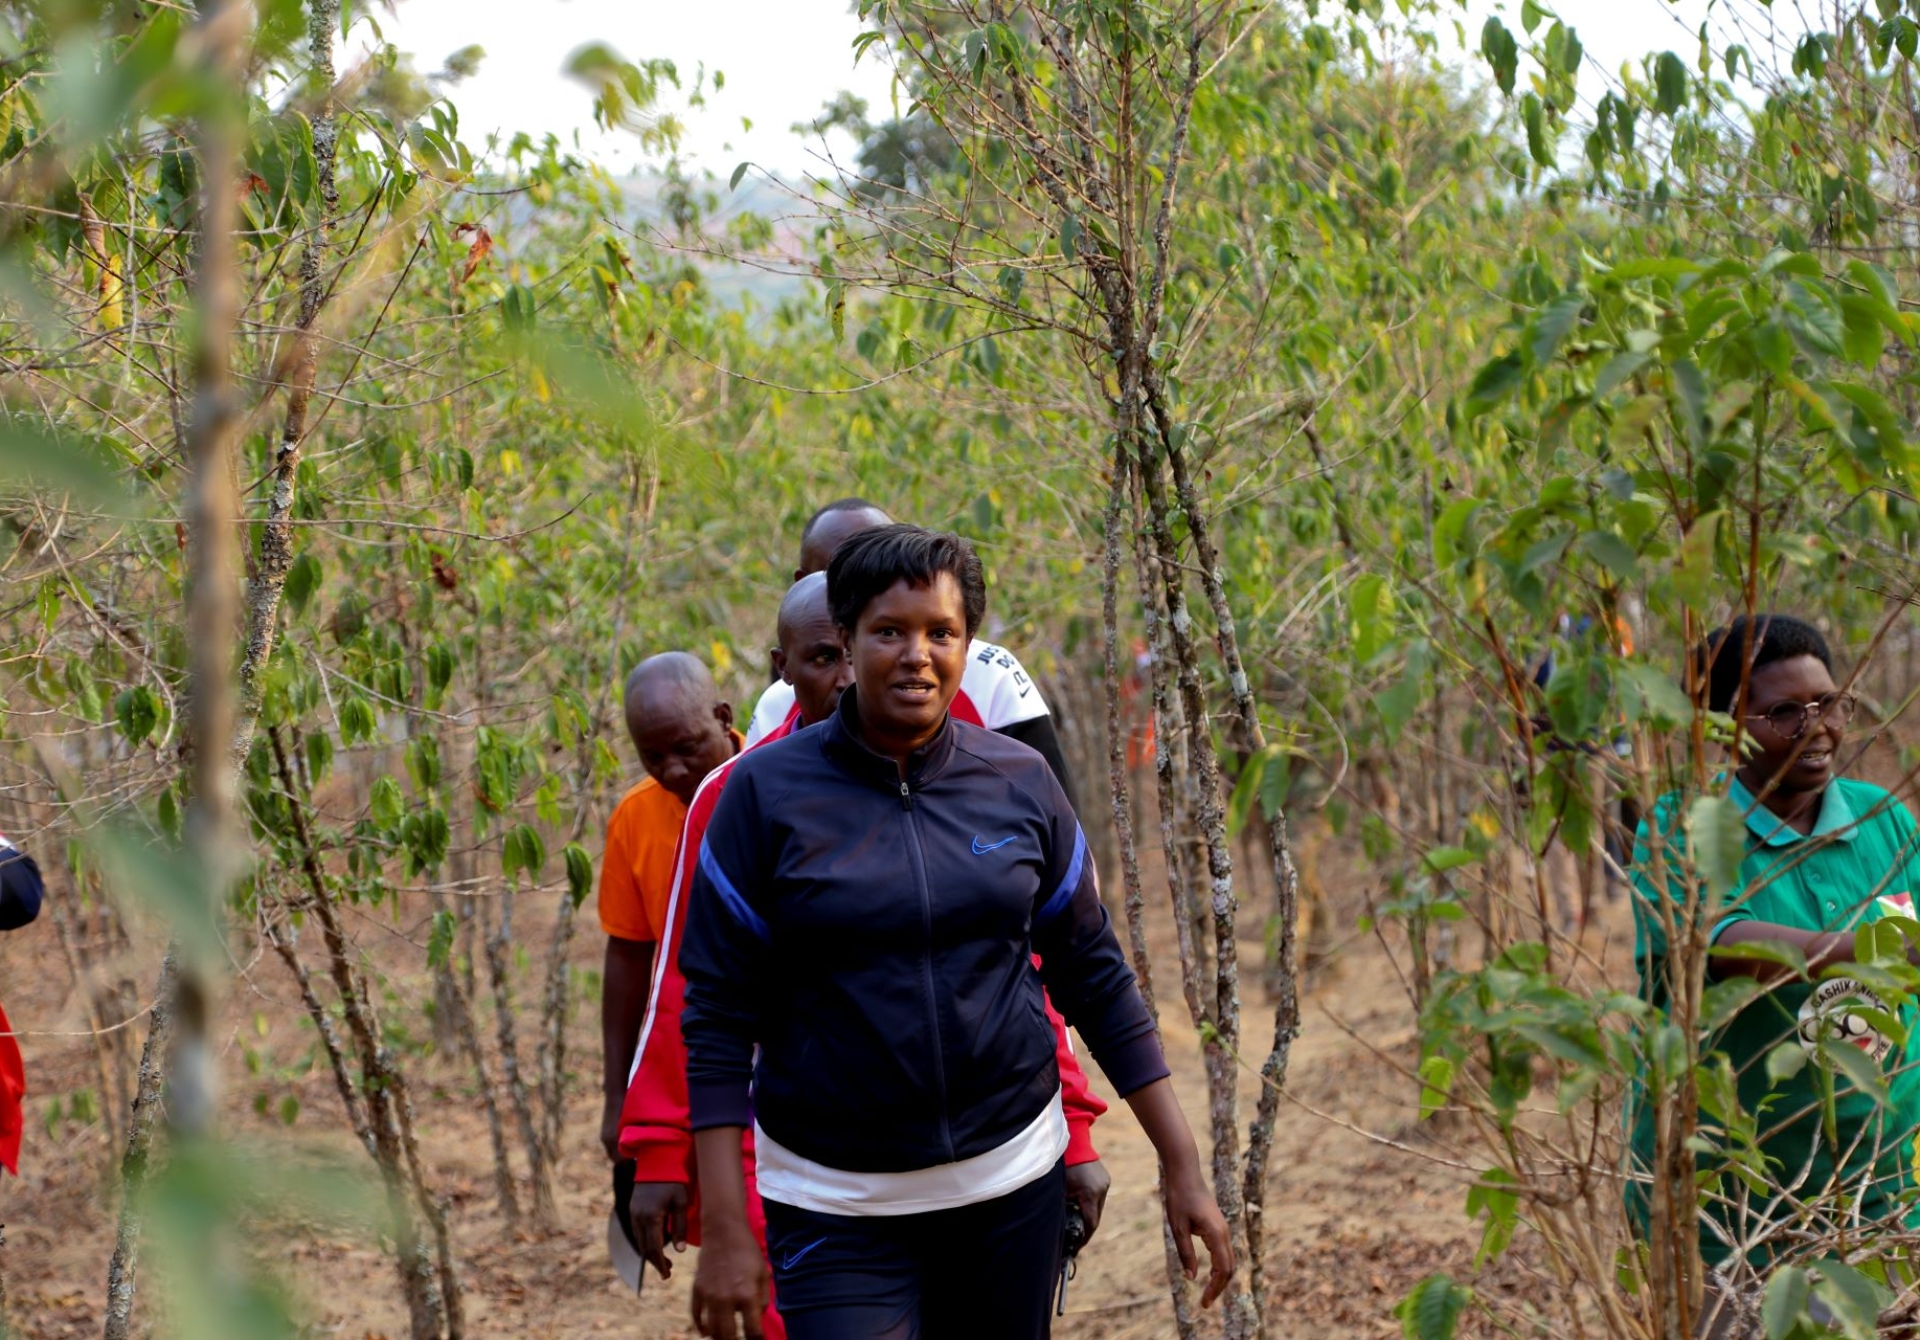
[682, 732]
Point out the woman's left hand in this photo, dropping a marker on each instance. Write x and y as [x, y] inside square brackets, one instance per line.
[1191, 1213]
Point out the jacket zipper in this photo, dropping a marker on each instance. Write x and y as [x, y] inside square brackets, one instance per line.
[926, 962]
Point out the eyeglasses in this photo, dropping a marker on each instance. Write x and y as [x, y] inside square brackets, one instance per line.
[1790, 720]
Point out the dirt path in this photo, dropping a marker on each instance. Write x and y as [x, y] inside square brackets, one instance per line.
[1353, 1223]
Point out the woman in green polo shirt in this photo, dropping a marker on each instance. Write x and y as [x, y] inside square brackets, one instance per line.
[1824, 856]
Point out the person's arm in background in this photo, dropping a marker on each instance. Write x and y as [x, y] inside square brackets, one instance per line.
[626, 976]
[21, 889]
[654, 1124]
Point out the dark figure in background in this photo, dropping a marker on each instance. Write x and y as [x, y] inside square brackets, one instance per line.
[21, 891]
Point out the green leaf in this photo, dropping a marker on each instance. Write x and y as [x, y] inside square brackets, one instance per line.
[47, 602]
[1717, 841]
[1551, 324]
[1431, 1310]
[1785, 1061]
[1245, 790]
[47, 460]
[1616, 371]
[1501, 52]
[1694, 579]
[1763, 951]
[289, 1109]
[136, 711]
[1814, 322]
[1436, 1085]
[1784, 1304]
[1371, 611]
[523, 850]
[1494, 1197]
[1653, 697]
[579, 872]
[1863, 1070]
[1494, 382]
[1855, 1300]
[440, 939]
[1442, 859]
[739, 171]
[1862, 335]
[356, 720]
[385, 803]
[1669, 83]
[1611, 552]
[303, 579]
[1533, 115]
[1721, 1001]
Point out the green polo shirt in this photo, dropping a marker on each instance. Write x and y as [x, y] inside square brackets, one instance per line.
[1861, 862]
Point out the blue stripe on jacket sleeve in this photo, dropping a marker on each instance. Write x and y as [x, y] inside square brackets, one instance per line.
[729, 895]
[1063, 895]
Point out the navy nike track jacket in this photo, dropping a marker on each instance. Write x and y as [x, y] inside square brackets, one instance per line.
[873, 938]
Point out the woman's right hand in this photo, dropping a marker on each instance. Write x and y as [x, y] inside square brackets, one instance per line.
[730, 1282]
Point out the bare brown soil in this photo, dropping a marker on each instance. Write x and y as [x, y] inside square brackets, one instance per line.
[1361, 1204]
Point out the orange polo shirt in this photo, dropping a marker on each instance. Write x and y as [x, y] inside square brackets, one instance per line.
[636, 872]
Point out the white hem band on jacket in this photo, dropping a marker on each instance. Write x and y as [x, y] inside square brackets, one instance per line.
[788, 1178]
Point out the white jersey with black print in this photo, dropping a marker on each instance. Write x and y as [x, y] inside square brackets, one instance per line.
[995, 692]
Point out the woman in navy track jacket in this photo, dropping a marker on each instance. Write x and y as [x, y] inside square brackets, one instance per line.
[860, 987]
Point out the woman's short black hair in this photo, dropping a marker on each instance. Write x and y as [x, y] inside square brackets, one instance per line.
[874, 560]
[1776, 637]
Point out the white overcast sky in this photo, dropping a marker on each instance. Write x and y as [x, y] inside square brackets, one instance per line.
[784, 58]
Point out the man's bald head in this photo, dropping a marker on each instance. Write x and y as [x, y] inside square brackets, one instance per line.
[678, 723]
[812, 655]
[832, 526]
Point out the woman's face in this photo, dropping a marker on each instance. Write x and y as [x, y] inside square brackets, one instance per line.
[1804, 762]
[909, 650]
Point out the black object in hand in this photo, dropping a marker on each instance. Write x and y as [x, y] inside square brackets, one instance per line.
[1074, 1238]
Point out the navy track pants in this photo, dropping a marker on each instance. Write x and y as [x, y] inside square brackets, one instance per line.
[984, 1270]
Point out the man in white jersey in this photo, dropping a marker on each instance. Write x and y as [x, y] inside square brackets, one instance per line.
[995, 692]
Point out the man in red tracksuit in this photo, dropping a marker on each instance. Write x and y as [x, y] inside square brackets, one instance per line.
[654, 1129]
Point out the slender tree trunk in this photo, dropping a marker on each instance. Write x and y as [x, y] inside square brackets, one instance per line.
[499, 938]
[551, 1057]
[1118, 780]
[137, 1161]
[1121, 790]
[285, 941]
[269, 575]
[1286, 1023]
[470, 1042]
[383, 1085]
[213, 733]
[1240, 1312]
[213, 555]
